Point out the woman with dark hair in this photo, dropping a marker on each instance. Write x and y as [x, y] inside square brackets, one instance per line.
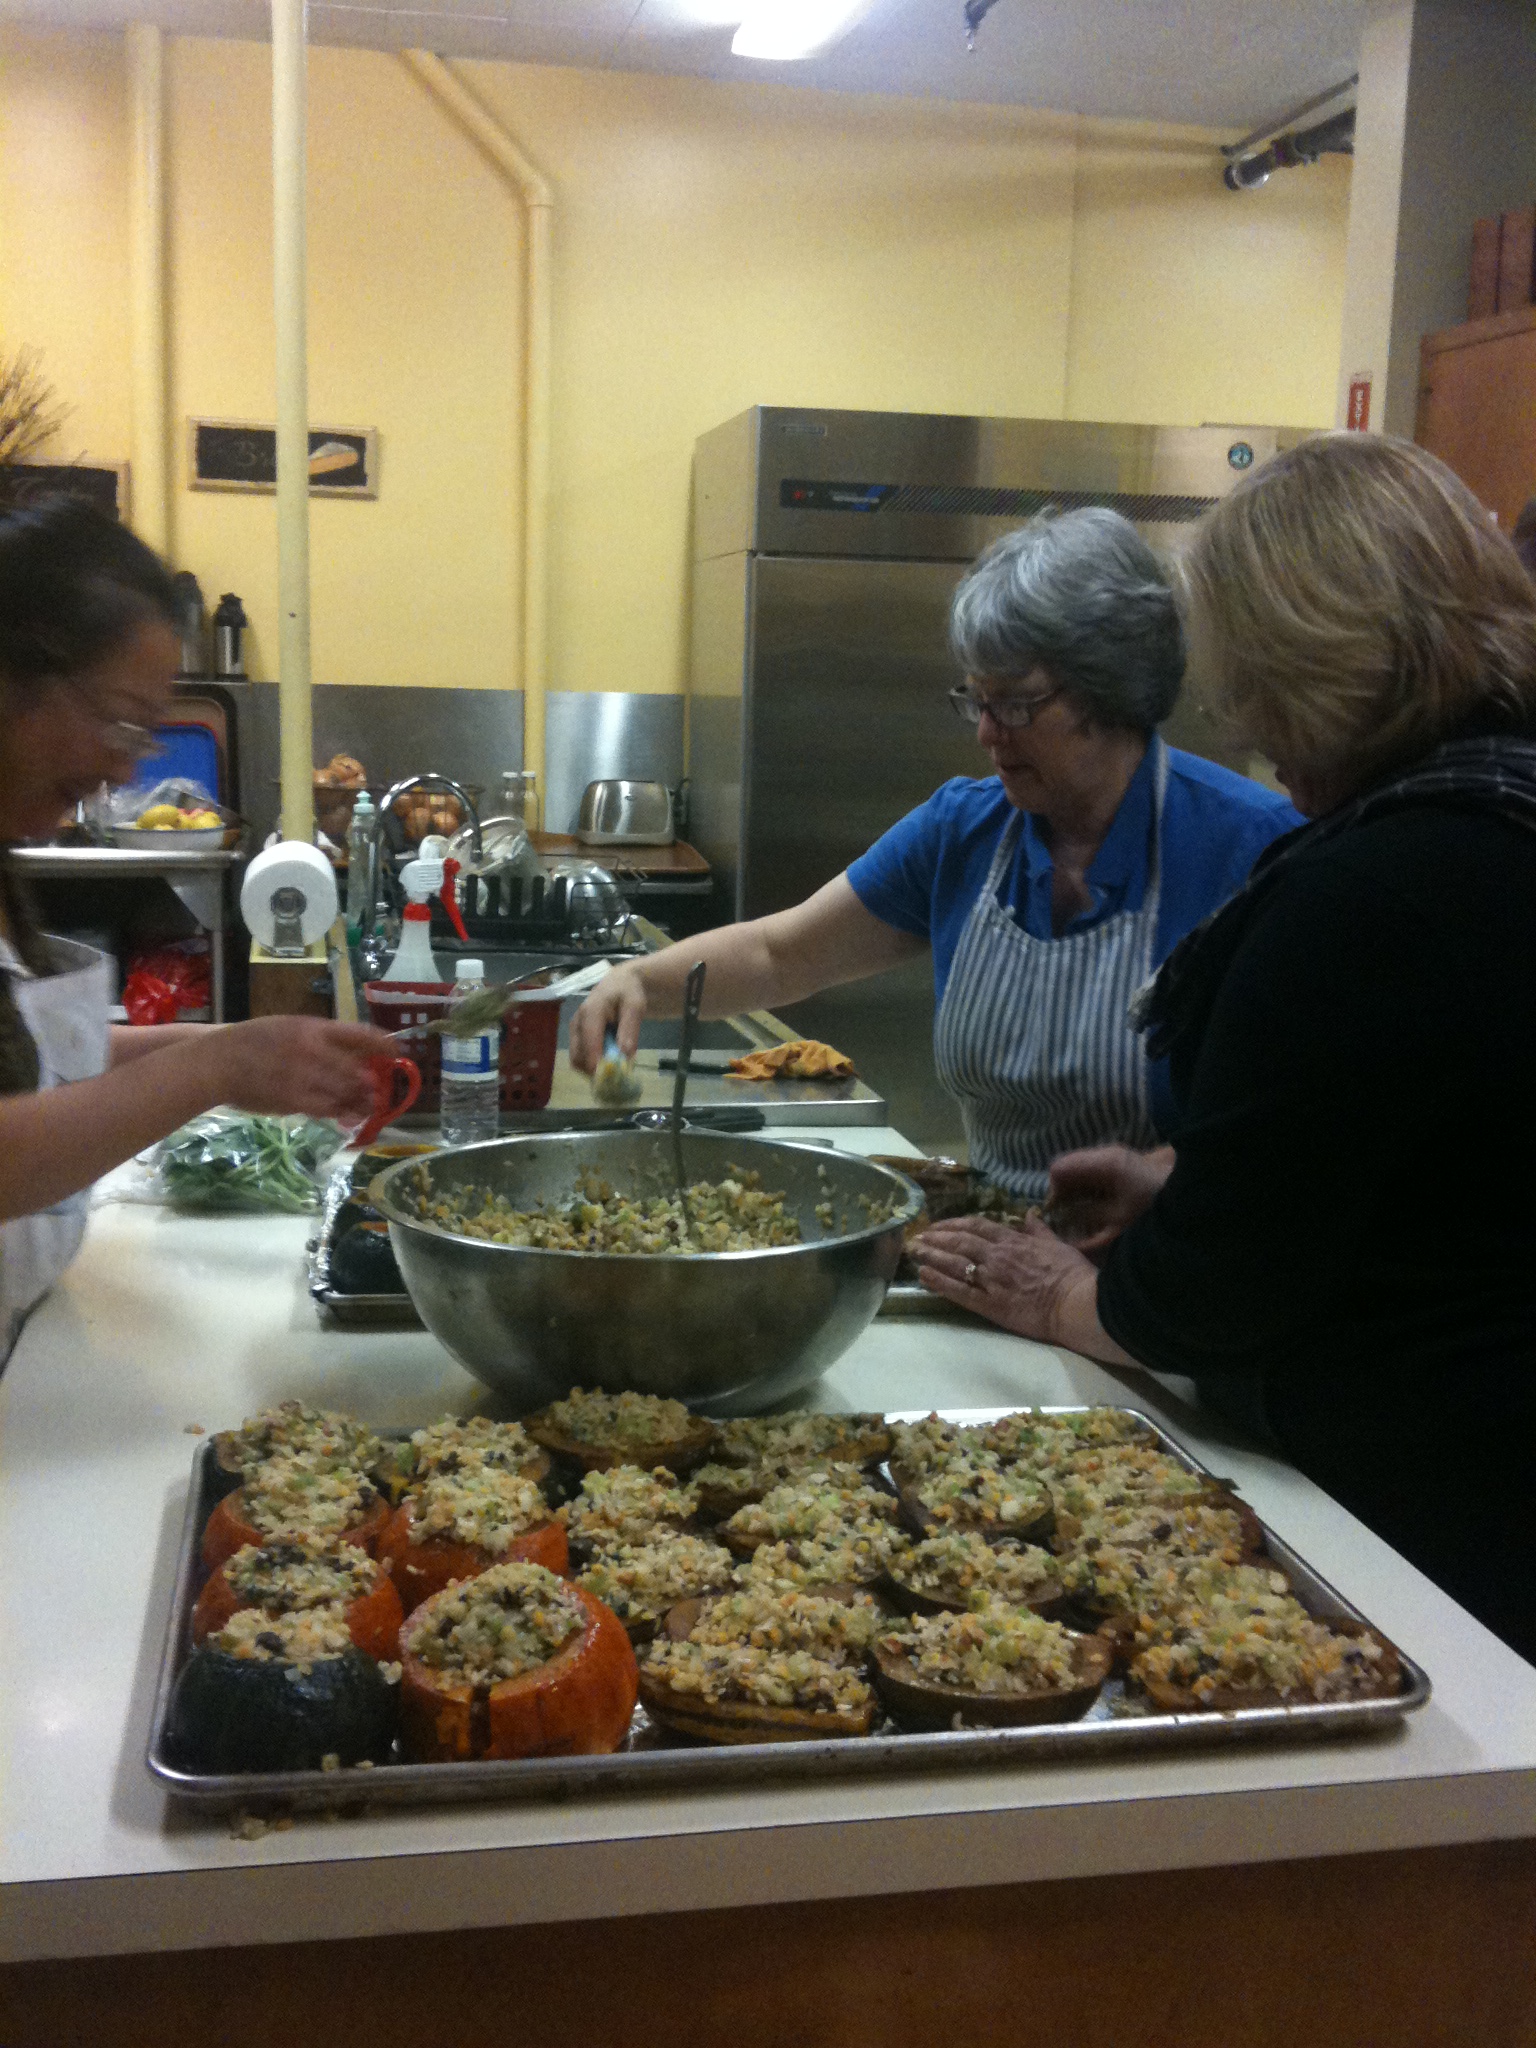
[1047, 891]
[1341, 1245]
[88, 651]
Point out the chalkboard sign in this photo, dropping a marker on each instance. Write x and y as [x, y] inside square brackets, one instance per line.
[231, 455]
[21, 483]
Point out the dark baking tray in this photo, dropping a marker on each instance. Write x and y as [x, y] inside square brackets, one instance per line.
[652, 1762]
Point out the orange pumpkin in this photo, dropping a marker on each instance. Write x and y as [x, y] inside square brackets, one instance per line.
[579, 1703]
[422, 1569]
[228, 1530]
[373, 1619]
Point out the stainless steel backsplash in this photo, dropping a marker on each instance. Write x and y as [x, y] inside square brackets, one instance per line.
[590, 735]
[470, 734]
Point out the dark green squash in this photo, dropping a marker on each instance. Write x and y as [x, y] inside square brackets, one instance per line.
[266, 1714]
[363, 1261]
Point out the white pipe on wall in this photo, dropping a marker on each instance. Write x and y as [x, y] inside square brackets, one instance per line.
[538, 201]
[290, 285]
[148, 451]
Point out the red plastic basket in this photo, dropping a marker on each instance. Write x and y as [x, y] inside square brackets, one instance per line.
[530, 1035]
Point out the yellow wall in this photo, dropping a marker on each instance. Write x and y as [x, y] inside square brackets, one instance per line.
[64, 227]
[715, 246]
[1191, 303]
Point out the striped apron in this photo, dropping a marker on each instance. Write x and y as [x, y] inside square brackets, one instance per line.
[1032, 1036]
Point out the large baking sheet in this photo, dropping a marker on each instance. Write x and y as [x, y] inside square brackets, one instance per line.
[653, 1761]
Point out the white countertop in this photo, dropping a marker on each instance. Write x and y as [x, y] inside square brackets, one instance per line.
[165, 1323]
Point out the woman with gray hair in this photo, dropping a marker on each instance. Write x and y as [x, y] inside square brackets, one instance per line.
[1047, 891]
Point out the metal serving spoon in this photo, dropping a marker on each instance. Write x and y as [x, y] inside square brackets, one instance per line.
[693, 996]
[487, 1006]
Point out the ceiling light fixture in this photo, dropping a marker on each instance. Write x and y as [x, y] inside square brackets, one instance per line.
[783, 30]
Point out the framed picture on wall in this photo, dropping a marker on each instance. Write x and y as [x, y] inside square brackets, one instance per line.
[234, 455]
[105, 484]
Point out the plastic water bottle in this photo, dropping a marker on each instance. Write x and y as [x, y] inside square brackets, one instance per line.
[471, 1096]
[360, 866]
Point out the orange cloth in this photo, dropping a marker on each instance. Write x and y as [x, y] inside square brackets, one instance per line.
[803, 1059]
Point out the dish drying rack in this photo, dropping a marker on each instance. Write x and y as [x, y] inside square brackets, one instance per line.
[510, 911]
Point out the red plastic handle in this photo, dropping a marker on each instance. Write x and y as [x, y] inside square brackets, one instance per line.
[396, 1085]
[450, 898]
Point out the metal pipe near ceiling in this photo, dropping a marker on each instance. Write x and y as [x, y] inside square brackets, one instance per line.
[148, 462]
[1248, 167]
[538, 200]
[290, 285]
[1333, 137]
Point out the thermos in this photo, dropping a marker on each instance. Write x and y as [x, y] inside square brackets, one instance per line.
[191, 623]
[229, 622]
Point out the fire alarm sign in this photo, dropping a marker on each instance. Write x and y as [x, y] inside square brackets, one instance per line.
[1357, 417]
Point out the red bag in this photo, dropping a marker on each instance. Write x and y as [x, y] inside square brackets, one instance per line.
[148, 1000]
[183, 970]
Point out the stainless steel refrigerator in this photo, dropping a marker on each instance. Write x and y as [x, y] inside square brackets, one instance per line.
[826, 549]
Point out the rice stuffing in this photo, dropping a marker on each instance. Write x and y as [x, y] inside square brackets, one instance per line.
[954, 1566]
[852, 1561]
[503, 1624]
[480, 1505]
[733, 1215]
[626, 1505]
[295, 1573]
[454, 1444]
[1246, 1637]
[308, 1636]
[616, 1421]
[300, 1493]
[293, 1427]
[641, 1581]
[826, 1504]
[801, 1438]
[991, 1648]
[976, 1490]
[831, 1630]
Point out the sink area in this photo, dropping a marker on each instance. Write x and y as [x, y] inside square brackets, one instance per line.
[656, 1035]
[570, 1102]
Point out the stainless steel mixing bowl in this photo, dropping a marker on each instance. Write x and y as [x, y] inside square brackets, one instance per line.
[732, 1332]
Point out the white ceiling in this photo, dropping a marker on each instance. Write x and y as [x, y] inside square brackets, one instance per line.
[1216, 63]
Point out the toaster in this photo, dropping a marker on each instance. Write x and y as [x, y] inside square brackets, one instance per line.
[623, 813]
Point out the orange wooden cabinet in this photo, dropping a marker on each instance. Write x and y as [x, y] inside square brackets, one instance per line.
[1477, 406]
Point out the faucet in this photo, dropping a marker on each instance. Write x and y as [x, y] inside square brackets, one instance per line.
[386, 805]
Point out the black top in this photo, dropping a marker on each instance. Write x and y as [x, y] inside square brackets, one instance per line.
[1352, 1215]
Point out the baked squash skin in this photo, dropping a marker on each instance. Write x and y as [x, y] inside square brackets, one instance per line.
[678, 1454]
[922, 1705]
[228, 1530]
[231, 1714]
[743, 1721]
[373, 1620]
[1386, 1682]
[579, 1703]
[422, 1569]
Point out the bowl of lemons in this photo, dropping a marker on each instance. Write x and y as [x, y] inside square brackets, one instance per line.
[164, 827]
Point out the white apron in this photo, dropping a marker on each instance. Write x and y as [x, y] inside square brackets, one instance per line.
[1033, 1037]
[66, 1015]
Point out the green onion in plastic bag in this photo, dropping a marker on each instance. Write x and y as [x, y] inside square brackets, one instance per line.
[231, 1159]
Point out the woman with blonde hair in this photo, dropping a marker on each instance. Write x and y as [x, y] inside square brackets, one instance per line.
[1343, 1248]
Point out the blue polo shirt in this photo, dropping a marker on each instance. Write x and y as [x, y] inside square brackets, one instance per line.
[924, 875]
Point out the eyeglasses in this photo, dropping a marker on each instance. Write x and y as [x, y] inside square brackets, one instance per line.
[128, 741]
[1012, 712]
[121, 736]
